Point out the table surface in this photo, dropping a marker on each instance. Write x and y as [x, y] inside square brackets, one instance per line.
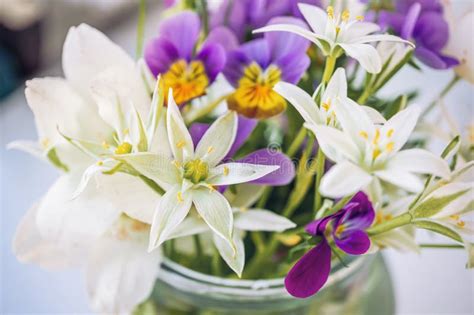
[433, 282]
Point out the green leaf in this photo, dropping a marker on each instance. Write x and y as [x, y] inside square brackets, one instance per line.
[433, 205]
[451, 148]
[54, 158]
[156, 110]
[438, 228]
[142, 144]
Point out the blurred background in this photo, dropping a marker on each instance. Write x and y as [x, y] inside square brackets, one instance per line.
[31, 37]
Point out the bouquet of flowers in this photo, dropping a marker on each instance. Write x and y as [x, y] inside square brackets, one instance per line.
[250, 141]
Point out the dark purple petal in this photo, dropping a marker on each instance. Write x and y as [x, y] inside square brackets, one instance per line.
[293, 67]
[356, 242]
[431, 31]
[223, 36]
[358, 213]
[183, 31]
[284, 44]
[261, 11]
[237, 60]
[257, 50]
[197, 130]
[245, 126]
[160, 53]
[311, 272]
[213, 56]
[410, 21]
[231, 14]
[317, 227]
[282, 176]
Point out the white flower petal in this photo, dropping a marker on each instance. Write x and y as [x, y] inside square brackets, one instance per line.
[30, 147]
[379, 38]
[120, 275]
[337, 86]
[179, 138]
[459, 204]
[215, 211]
[30, 247]
[315, 38]
[365, 54]
[91, 171]
[170, 212]
[244, 195]
[402, 125]
[405, 180]
[261, 220]
[301, 101]
[56, 105]
[192, 225]
[87, 52]
[419, 161]
[344, 179]
[218, 139]
[234, 259]
[236, 173]
[335, 144]
[374, 115]
[79, 221]
[315, 16]
[359, 29]
[154, 166]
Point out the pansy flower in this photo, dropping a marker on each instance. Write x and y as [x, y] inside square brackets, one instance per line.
[346, 229]
[185, 68]
[423, 22]
[255, 68]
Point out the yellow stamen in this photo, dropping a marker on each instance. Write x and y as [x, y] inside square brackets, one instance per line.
[176, 163]
[330, 11]
[339, 230]
[179, 196]
[345, 15]
[211, 188]
[45, 143]
[390, 132]
[180, 144]
[326, 105]
[243, 209]
[454, 217]
[126, 131]
[100, 163]
[390, 146]
[210, 149]
[360, 18]
[363, 134]
[376, 153]
[124, 148]
[289, 240]
[338, 29]
[226, 171]
[377, 136]
[196, 171]
[461, 224]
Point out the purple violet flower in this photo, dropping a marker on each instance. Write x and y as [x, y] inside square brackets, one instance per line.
[422, 21]
[282, 176]
[346, 228]
[172, 54]
[256, 66]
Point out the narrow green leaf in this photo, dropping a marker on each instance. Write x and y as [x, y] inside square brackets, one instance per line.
[438, 228]
[54, 158]
[451, 148]
[433, 205]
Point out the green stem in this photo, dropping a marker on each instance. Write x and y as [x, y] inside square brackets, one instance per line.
[364, 96]
[296, 144]
[205, 110]
[202, 9]
[264, 198]
[140, 28]
[320, 160]
[257, 239]
[216, 263]
[454, 246]
[197, 245]
[152, 184]
[443, 93]
[386, 226]
[329, 68]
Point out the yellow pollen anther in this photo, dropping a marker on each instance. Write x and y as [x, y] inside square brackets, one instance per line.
[330, 11]
[345, 15]
[100, 163]
[339, 230]
[211, 188]
[126, 131]
[45, 143]
[176, 163]
[326, 105]
[461, 223]
[226, 171]
[179, 196]
[360, 18]
[364, 134]
[377, 136]
[454, 217]
[390, 132]
[243, 209]
[376, 153]
[390, 146]
[180, 144]
[124, 148]
[338, 29]
[105, 145]
[210, 149]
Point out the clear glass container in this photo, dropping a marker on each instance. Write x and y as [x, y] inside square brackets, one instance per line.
[364, 287]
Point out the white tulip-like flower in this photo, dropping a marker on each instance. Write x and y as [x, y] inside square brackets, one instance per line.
[364, 151]
[191, 176]
[335, 34]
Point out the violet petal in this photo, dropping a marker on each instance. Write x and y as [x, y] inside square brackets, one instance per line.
[183, 31]
[213, 57]
[160, 53]
[356, 242]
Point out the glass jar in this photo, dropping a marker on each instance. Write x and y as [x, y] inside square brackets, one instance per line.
[363, 287]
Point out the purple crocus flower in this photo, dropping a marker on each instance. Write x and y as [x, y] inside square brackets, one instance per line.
[282, 176]
[422, 21]
[243, 16]
[256, 66]
[173, 55]
[346, 228]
